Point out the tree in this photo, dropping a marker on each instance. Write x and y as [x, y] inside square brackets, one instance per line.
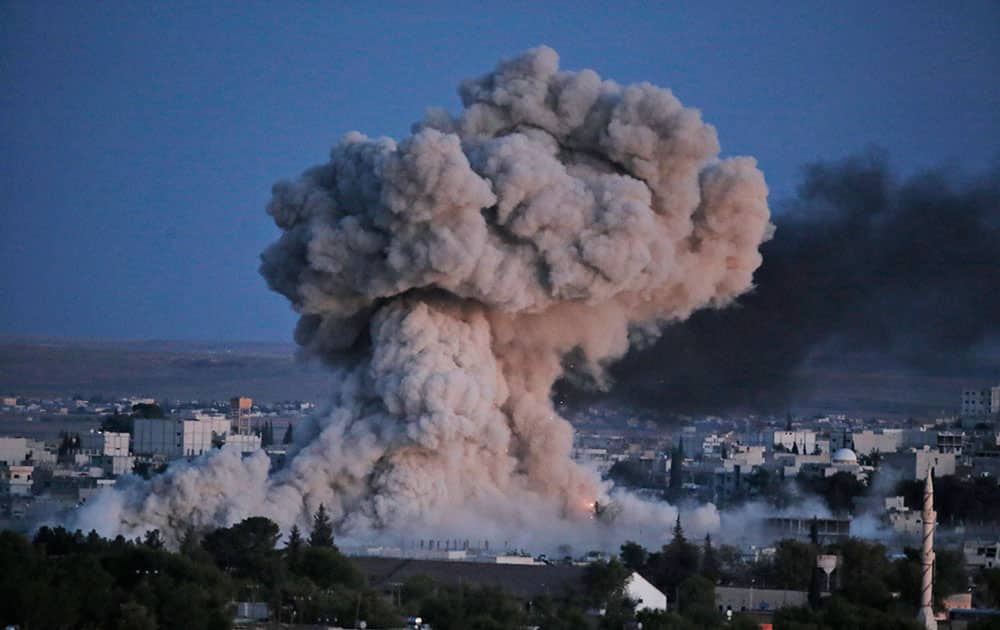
[322, 531]
[118, 423]
[709, 561]
[677, 561]
[628, 472]
[989, 586]
[794, 562]
[633, 555]
[246, 548]
[153, 540]
[294, 545]
[288, 435]
[677, 468]
[266, 435]
[605, 581]
[696, 601]
[147, 410]
[327, 567]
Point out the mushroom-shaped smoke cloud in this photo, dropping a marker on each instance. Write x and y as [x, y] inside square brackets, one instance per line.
[446, 277]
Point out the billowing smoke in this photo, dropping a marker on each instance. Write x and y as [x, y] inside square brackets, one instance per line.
[860, 264]
[449, 277]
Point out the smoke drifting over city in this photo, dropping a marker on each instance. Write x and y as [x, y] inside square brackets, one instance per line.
[449, 279]
[860, 263]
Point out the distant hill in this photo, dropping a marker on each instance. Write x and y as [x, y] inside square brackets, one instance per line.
[200, 370]
[188, 370]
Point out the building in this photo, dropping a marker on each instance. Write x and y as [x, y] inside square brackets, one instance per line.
[525, 582]
[980, 402]
[803, 442]
[247, 443]
[174, 437]
[744, 599]
[902, 519]
[914, 463]
[981, 554]
[13, 450]
[881, 441]
[240, 408]
[105, 443]
[19, 480]
[829, 530]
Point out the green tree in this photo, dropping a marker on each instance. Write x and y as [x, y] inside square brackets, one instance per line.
[287, 439]
[605, 581]
[865, 573]
[322, 531]
[326, 567]
[677, 469]
[696, 601]
[246, 548]
[294, 546]
[678, 560]
[794, 562]
[988, 581]
[709, 561]
[147, 410]
[633, 555]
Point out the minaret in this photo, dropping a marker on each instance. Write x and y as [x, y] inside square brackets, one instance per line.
[926, 615]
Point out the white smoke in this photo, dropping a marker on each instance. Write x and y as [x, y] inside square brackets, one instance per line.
[446, 278]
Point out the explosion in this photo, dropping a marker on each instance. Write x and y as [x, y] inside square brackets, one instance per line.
[450, 279]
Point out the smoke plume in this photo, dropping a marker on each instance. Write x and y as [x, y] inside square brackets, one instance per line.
[448, 278]
[860, 263]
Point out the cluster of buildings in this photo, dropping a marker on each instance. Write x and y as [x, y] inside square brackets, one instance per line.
[732, 460]
[46, 473]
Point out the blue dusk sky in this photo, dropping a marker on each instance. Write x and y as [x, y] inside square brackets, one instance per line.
[140, 140]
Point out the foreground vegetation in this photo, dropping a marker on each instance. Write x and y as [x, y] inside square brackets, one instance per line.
[62, 579]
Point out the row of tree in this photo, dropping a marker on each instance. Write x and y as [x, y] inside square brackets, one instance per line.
[121, 584]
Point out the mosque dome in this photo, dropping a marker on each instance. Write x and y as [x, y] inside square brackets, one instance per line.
[845, 456]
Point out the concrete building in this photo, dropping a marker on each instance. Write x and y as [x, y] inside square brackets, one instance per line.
[914, 463]
[172, 437]
[981, 554]
[830, 530]
[13, 450]
[902, 519]
[979, 402]
[745, 457]
[19, 480]
[884, 441]
[247, 443]
[743, 599]
[105, 443]
[804, 442]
